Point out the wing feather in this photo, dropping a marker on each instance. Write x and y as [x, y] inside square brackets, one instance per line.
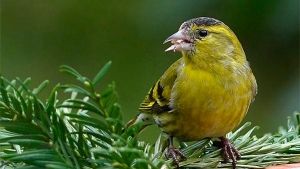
[158, 97]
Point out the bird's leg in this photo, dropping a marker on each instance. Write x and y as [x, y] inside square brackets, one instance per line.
[174, 153]
[229, 152]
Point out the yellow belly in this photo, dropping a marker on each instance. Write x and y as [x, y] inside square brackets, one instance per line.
[205, 106]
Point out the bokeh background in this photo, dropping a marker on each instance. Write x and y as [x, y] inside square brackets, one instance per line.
[39, 36]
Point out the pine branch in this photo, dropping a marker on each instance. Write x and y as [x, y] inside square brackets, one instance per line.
[87, 130]
[280, 148]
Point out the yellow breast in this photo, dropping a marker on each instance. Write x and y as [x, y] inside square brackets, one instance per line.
[207, 104]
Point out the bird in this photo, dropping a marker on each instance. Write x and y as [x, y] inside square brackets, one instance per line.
[206, 93]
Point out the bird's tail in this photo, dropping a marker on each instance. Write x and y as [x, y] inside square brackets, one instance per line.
[131, 122]
[142, 120]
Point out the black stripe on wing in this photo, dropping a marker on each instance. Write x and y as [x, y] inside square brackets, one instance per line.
[158, 109]
[159, 91]
[146, 105]
[155, 102]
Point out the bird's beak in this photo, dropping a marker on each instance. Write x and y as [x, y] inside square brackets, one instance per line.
[181, 41]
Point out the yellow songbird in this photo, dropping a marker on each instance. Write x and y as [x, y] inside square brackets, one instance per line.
[207, 92]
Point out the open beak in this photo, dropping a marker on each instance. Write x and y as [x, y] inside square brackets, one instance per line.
[181, 41]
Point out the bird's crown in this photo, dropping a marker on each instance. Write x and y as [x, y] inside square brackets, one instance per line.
[201, 21]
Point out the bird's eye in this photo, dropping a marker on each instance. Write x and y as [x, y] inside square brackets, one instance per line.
[202, 33]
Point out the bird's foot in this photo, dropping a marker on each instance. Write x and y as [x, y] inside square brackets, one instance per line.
[229, 153]
[175, 154]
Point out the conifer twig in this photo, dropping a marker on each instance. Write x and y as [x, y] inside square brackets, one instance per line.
[87, 130]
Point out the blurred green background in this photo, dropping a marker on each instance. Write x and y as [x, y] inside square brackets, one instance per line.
[39, 36]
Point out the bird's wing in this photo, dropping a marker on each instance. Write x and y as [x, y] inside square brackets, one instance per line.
[158, 97]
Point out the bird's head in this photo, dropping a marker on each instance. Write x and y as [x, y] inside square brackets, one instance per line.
[205, 37]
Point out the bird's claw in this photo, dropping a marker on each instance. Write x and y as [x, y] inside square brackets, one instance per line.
[229, 152]
[176, 155]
